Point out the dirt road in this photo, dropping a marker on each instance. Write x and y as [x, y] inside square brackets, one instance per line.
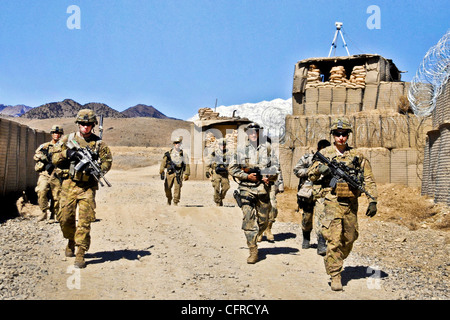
[144, 249]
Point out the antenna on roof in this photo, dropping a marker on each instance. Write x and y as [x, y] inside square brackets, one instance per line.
[333, 44]
[215, 106]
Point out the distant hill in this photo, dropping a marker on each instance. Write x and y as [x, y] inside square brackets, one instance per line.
[142, 110]
[70, 108]
[14, 111]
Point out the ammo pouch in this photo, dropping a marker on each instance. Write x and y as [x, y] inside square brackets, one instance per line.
[343, 190]
[77, 175]
[39, 166]
[306, 191]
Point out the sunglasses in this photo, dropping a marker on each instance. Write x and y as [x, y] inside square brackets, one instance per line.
[338, 134]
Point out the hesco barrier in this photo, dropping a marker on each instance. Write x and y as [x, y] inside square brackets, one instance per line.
[17, 146]
[436, 167]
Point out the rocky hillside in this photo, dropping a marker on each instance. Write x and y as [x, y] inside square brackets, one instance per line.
[70, 108]
[14, 111]
[142, 110]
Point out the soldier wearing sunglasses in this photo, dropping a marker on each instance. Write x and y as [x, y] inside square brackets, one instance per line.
[339, 222]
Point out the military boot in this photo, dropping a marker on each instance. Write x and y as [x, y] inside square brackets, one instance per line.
[336, 284]
[253, 257]
[306, 239]
[70, 249]
[268, 232]
[321, 245]
[79, 258]
[259, 237]
[169, 202]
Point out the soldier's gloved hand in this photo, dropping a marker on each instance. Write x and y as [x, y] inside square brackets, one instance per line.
[371, 209]
[49, 167]
[72, 154]
[323, 169]
[162, 175]
[186, 177]
[208, 175]
[281, 188]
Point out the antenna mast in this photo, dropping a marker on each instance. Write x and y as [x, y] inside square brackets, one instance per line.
[333, 44]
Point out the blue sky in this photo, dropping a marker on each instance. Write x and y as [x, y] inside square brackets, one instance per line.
[182, 55]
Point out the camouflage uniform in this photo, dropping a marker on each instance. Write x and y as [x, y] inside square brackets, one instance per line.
[339, 223]
[217, 167]
[79, 188]
[254, 196]
[310, 200]
[305, 203]
[48, 180]
[182, 168]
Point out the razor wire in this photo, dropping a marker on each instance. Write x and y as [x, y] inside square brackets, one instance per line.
[430, 78]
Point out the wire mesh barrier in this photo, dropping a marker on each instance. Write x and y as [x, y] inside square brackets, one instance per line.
[17, 147]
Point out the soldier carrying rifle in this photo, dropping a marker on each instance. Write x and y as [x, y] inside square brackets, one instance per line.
[252, 167]
[176, 164]
[83, 159]
[345, 175]
[48, 181]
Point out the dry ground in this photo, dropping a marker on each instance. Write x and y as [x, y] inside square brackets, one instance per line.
[144, 249]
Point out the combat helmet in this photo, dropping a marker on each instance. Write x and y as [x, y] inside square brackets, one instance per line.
[177, 139]
[57, 129]
[341, 124]
[253, 126]
[86, 116]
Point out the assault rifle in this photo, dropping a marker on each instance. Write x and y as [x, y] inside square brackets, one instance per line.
[256, 170]
[87, 162]
[340, 171]
[49, 166]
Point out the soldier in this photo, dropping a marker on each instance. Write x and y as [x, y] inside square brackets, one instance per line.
[250, 166]
[339, 223]
[79, 186]
[177, 165]
[217, 168]
[275, 188]
[306, 199]
[48, 181]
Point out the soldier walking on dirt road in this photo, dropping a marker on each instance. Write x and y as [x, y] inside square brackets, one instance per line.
[48, 180]
[217, 169]
[177, 164]
[252, 167]
[79, 183]
[339, 223]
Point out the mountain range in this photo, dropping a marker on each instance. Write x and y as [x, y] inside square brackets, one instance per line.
[70, 108]
[13, 111]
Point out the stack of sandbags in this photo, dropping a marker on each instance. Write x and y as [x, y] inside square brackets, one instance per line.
[357, 77]
[338, 75]
[313, 74]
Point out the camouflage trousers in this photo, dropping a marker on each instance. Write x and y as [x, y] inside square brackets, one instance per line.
[73, 196]
[48, 183]
[221, 185]
[171, 181]
[273, 201]
[340, 230]
[255, 208]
